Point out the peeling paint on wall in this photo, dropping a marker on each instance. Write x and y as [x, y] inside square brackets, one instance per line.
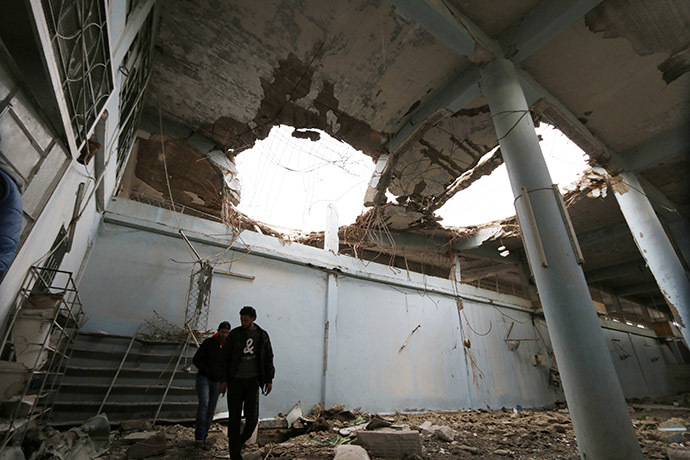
[287, 101]
[650, 27]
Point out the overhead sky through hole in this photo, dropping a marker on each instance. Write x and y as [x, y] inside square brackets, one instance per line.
[288, 182]
[491, 198]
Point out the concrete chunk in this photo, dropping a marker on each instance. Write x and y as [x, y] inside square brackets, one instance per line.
[390, 443]
[136, 425]
[152, 446]
[350, 452]
[131, 438]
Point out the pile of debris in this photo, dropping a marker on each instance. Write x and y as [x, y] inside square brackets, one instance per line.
[341, 434]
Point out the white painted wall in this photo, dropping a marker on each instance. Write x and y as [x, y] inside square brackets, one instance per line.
[140, 264]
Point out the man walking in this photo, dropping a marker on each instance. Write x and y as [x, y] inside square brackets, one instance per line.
[248, 367]
[209, 360]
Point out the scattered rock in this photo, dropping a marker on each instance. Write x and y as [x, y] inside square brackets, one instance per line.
[138, 436]
[255, 455]
[350, 452]
[503, 452]
[153, 445]
[445, 433]
[470, 449]
[136, 425]
[675, 454]
[389, 443]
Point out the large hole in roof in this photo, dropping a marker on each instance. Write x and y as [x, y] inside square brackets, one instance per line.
[288, 180]
[490, 198]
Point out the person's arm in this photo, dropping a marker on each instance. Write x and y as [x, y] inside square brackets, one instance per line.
[224, 364]
[201, 357]
[269, 369]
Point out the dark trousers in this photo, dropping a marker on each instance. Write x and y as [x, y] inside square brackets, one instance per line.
[242, 393]
[207, 390]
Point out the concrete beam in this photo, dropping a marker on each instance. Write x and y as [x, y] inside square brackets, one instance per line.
[668, 147]
[636, 289]
[603, 235]
[615, 271]
[559, 115]
[482, 272]
[484, 252]
[454, 96]
[448, 25]
[541, 25]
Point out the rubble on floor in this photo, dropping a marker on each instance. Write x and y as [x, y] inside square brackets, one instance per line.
[663, 430]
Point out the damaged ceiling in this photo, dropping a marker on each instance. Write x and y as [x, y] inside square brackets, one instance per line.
[391, 79]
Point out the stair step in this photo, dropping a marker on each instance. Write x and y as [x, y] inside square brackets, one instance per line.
[82, 403]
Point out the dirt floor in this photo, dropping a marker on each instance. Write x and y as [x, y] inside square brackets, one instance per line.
[520, 434]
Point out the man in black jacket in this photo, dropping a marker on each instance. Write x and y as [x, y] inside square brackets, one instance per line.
[248, 366]
[209, 360]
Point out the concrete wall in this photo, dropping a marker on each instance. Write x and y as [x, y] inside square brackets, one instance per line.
[140, 264]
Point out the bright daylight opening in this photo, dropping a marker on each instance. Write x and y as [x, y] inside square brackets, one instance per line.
[490, 198]
[288, 182]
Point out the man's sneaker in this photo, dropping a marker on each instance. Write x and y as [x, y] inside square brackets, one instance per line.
[205, 446]
[198, 444]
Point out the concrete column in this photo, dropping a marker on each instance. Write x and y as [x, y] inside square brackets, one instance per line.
[331, 242]
[330, 381]
[655, 247]
[597, 407]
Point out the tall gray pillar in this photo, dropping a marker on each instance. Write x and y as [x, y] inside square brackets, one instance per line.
[655, 247]
[597, 407]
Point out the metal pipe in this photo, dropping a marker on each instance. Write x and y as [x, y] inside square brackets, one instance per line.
[117, 373]
[597, 407]
[172, 377]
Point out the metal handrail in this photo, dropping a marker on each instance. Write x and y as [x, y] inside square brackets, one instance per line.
[23, 295]
[172, 377]
[119, 368]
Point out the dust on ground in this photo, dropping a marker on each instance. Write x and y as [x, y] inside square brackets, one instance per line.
[519, 434]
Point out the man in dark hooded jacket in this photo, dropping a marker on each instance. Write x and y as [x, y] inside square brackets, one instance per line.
[208, 359]
[248, 367]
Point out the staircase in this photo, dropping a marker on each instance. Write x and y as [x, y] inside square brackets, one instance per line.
[128, 379]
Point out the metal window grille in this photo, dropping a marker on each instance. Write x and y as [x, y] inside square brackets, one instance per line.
[199, 297]
[29, 147]
[79, 36]
[136, 69]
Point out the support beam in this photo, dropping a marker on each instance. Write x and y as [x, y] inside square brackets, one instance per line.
[615, 271]
[479, 273]
[559, 115]
[636, 289]
[541, 25]
[668, 147]
[454, 96]
[603, 235]
[448, 25]
[655, 247]
[597, 407]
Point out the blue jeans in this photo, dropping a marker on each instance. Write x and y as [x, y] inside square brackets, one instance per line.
[208, 391]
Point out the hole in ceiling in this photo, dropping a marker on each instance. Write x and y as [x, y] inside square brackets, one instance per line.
[491, 199]
[288, 180]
